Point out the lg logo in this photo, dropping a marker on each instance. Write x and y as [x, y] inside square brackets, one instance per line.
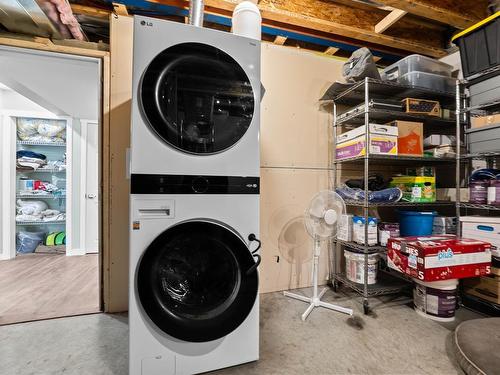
[145, 23]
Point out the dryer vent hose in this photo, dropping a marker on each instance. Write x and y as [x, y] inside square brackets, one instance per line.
[196, 8]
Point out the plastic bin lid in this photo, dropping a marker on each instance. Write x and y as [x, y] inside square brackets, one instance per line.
[476, 26]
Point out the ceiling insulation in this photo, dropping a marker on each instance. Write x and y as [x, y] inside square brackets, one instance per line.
[46, 18]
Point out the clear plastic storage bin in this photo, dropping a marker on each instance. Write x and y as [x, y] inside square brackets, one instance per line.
[416, 63]
[429, 81]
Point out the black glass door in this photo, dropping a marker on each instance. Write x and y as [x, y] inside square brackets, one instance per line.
[197, 98]
[193, 282]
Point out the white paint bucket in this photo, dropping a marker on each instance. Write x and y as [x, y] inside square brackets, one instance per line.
[247, 20]
[355, 267]
[436, 300]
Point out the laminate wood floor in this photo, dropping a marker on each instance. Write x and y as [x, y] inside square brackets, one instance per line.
[44, 286]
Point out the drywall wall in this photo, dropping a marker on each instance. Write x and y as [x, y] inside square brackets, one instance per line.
[294, 161]
[12, 101]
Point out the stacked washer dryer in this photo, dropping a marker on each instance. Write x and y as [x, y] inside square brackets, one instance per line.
[194, 199]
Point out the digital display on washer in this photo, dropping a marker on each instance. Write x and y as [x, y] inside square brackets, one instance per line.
[197, 98]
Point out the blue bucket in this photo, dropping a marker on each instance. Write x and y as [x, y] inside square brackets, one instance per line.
[416, 223]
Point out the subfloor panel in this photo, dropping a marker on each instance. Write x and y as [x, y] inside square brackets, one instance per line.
[44, 286]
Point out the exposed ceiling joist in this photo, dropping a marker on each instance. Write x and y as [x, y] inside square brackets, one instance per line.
[389, 20]
[120, 9]
[331, 50]
[435, 11]
[272, 15]
[90, 11]
[280, 40]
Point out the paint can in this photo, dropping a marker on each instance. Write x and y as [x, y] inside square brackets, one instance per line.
[436, 300]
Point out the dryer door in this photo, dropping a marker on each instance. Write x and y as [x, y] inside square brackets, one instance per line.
[193, 284]
[197, 98]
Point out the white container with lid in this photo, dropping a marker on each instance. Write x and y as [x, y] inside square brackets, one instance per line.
[416, 63]
[247, 20]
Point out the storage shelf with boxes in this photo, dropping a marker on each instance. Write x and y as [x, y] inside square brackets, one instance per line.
[481, 161]
[399, 120]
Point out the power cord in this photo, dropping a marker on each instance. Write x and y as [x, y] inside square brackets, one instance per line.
[252, 238]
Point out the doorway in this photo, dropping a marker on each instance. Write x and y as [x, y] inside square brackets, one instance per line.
[50, 248]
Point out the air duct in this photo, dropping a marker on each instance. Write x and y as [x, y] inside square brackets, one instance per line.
[196, 8]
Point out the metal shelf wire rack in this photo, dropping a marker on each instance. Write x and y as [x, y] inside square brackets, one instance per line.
[360, 95]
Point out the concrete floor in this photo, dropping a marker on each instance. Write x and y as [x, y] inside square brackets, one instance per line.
[393, 340]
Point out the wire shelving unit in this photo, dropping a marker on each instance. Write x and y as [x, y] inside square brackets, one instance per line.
[360, 113]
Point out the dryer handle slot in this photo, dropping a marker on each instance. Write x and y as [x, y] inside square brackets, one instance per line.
[252, 238]
[154, 212]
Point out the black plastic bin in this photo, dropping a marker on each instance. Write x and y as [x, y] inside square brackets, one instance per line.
[480, 46]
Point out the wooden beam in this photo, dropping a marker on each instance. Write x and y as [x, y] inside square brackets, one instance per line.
[377, 58]
[45, 44]
[271, 14]
[448, 16]
[120, 9]
[280, 40]
[90, 11]
[389, 20]
[331, 50]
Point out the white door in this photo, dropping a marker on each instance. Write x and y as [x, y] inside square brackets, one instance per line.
[91, 188]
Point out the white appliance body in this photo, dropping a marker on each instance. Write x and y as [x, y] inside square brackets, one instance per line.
[195, 111]
[152, 351]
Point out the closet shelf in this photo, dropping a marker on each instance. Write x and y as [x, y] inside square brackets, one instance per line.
[34, 143]
[40, 222]
[45, 196]
[41, 170]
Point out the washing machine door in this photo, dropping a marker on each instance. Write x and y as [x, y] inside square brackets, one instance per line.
[197, 98]
[193, 283]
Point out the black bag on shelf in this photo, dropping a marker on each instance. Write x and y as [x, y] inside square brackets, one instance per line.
[359, 66]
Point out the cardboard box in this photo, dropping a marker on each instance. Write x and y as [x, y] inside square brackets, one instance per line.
[480, 121]
[344, 230]
[422, 106]
[443, 257]
[485, 287]
[358, 230]
[410, 137]
[383, 141]
[416, 188]
[435, 140]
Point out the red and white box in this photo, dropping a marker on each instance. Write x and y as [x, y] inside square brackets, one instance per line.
[441, 257]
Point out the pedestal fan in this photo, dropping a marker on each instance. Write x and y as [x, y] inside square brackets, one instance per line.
[321, 220]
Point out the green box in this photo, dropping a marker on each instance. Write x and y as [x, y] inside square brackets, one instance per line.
[420, 189]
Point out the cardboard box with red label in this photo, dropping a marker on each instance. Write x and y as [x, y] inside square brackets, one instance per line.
[441, 257]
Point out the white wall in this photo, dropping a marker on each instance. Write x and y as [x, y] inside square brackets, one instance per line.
[63, 84]
[13, 101]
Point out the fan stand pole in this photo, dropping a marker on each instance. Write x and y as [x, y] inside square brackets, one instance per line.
[315, 300]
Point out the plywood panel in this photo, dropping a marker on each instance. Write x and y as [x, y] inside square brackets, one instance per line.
[294, 132]
[121, 31]
[287, 248]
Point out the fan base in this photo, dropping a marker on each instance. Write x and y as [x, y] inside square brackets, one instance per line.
[316, 302]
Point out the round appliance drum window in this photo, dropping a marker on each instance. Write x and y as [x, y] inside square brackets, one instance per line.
[192, 281]
[197, 98]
